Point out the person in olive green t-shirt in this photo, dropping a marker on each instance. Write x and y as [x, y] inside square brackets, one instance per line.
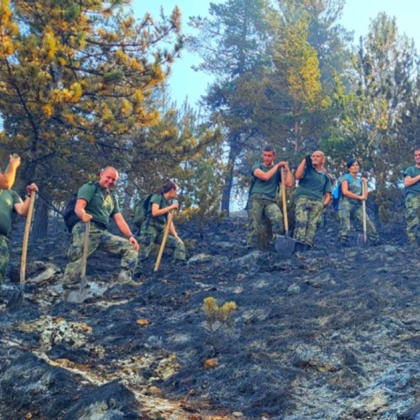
[262, 200]
[312, 195]
[412, 200]
[96, 204]
[153, 227]
[10, 202]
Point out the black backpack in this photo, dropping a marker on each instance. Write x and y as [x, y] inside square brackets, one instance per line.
[141, 210]
[69, 215]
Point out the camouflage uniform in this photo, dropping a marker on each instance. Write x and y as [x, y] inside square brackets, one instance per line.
[98, 238]
[353, 210]
[307, 214]
[151, 233]
[4, 257]
[261, 209]
[412, 217]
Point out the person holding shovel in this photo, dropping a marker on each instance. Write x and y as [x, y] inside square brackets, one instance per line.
[354, 192]
[312, 195]
[152, 229]
[262, 196]
[412, 200]
[96, 204]
[10, 202]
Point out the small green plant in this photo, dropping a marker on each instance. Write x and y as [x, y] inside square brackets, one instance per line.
[217, 317]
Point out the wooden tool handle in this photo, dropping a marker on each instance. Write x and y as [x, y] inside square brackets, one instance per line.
[165, 236]
[26, 237]
[284, 202]
[85, 249]
[364, 213]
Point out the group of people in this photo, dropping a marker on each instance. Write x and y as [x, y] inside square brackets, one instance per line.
[313, 194]
[96, 204]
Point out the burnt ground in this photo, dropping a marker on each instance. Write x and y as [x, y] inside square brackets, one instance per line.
[331, 334]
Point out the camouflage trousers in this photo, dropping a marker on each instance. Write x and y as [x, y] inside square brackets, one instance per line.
[307, 214]
[4, 257]
[348, 211]
[263, 210]
[412, 218]
[98, 238]
[152, 234]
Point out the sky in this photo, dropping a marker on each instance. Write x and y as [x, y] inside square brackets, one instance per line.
[185, 82]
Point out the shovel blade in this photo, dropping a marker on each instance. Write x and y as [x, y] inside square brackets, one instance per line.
[284, 245]
[362, 240]
[16, 299]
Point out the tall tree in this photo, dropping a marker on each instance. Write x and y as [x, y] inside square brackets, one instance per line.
[232, 42]
[370, 126]
[77, 76]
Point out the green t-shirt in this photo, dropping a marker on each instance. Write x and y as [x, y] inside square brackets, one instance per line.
[162, 202]
[100, 203]
[354, 186]
[412, 171]
[314, 184]
[8, 199]
[269, 187]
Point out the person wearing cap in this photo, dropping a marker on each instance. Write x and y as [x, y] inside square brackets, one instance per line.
[312, 195]
[354, 191]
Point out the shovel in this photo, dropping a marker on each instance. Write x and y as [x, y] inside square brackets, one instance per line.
[17, 297]
[80, 296]
[284, 245]
[165, 237]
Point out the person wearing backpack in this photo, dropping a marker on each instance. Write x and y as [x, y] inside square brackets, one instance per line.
[350, 204]
[312, 195]
[262, 196]
[10, 203]
[95, 203]
[154, 222]
[412, 200]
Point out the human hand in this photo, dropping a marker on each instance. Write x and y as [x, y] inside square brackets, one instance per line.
[175, 206]
[87, 218]
[31, 188]
[133, 241]
[14, 161]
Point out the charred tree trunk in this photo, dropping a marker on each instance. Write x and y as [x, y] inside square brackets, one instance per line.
[40, 223]
[227, 189]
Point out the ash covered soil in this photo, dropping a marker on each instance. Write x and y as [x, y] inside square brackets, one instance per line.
[331, 334]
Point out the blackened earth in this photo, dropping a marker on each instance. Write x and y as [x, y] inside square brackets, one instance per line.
[331, 334]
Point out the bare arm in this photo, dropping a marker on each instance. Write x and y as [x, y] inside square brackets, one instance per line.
[23, 208]
[125, 229]
[409, 181]
[157, 211]
[265, 176]
[8, 178]
[81, 212]
[289, 180]
[327, 199]
[347, 193]
[300, 171]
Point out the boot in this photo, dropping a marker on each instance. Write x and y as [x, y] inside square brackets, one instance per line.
[124, 277]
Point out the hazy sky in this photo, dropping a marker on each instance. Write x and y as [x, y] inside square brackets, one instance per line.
[356, 17]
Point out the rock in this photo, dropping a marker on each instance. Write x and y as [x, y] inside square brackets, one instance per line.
[47, 275]
[200, 258]
[293, 289]
[211, 363]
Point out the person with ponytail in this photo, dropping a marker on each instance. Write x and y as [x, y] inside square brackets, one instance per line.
[153, 228]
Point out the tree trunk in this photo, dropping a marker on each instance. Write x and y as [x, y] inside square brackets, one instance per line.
[40, 224]
[227, 189]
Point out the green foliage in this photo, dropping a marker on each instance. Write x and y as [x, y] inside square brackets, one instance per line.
[217, 316]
